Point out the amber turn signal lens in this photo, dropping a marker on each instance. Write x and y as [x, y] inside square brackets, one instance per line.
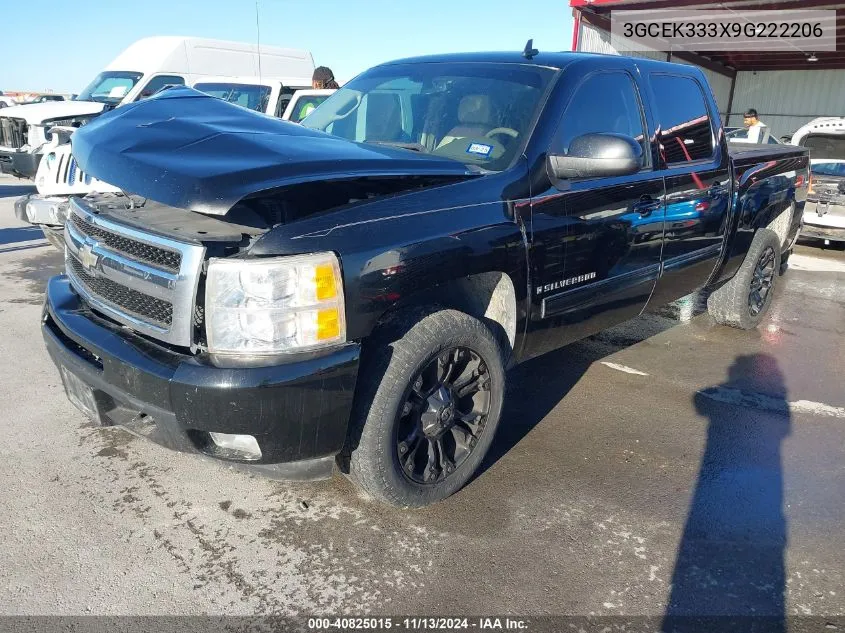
[328, 324]
[325, 282]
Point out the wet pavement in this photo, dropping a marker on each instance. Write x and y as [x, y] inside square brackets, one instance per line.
[665, 466]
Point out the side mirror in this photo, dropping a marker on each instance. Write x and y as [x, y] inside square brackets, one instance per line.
[598, 155]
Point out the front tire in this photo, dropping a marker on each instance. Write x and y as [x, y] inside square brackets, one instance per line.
[744, 300]
[429, 398]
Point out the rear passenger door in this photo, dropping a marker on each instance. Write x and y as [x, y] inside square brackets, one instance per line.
[696, 170]
[597, 241]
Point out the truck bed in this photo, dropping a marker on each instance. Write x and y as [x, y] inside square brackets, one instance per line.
[744, 153]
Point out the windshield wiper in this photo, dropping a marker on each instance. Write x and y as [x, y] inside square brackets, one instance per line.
[414, 147]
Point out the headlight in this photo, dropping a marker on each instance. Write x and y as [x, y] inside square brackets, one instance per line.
[260, 307]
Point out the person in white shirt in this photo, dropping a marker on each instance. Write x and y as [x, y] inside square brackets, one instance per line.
[758, 132]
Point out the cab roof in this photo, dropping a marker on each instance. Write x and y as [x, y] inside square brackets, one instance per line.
[549, 60]
[555, 60]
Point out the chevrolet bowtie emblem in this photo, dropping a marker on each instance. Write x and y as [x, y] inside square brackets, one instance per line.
[87, 257]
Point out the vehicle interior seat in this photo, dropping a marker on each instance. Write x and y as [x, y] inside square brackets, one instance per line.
[474, 119]
[384, 119]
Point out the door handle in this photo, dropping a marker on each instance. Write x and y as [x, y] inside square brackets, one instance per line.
[647, 205]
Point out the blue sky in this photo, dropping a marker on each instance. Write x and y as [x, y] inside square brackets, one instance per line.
[61, 45]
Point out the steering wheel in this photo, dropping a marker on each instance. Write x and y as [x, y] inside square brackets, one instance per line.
[502, 130]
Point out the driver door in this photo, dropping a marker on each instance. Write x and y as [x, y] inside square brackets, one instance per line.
[597, 241]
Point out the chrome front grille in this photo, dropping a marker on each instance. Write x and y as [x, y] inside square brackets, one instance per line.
[13, 132]
[135, 303]
[142, 280]
[156, 255]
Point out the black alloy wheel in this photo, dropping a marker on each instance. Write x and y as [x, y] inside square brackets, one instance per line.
[761, 281]
[443, 416]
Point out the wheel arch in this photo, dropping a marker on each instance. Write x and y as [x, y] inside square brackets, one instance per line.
[489, 296]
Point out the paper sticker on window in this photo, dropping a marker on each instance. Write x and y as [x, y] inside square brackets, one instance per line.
[480, 148]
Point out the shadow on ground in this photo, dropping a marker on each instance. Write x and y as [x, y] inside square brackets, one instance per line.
[537, 386]
[18, 234]
[34, 272]
[9, 190]
[730, 560]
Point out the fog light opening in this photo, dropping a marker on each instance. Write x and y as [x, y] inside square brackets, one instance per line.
[245, 446]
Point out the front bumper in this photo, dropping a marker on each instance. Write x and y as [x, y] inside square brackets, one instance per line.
[21, 164]
[47, 212]
[298, 411]
[37, 209]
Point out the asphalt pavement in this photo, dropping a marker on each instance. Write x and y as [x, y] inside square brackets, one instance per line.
[668, 465]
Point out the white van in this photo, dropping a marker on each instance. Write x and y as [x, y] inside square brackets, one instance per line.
[139, 72]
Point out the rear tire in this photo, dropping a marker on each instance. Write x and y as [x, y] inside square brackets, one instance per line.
[744, 300]
[419, 428]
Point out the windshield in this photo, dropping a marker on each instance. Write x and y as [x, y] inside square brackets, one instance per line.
[479, 114]
[828, 169]
[830, 146]
[109, 87]
[247, 95]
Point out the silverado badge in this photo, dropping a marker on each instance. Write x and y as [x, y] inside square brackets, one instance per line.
[565, 283]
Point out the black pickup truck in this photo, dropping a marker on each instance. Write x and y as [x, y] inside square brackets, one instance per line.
[351, 291]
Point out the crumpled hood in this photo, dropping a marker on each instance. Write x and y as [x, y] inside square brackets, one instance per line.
[186, 149]
[34, 113]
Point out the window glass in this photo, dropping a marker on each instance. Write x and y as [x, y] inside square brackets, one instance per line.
[831, 146]
[109, 87]
[737, 134]
[157, 83]
[828, 169]
[249, 96]
[282, 105]
[740, 135]
[685, 131]
[305, 105]
[604, 103]
[477, 113]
